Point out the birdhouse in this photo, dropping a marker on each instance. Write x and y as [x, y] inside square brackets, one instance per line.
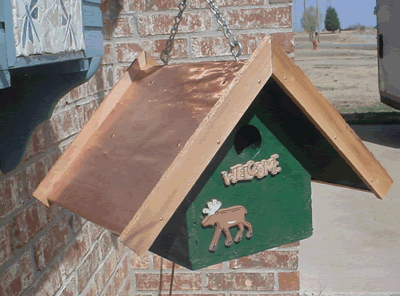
[202, 163]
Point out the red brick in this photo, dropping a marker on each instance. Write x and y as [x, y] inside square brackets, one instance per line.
[86, 111]
[137, 262]
[110, 291]
[215, 266]
[258, 18]
[126, 289]
[76, 221]
[104, 274]
[269, 294]
[11, 196]
[37, 142]
[121, 27]
[295, 244]
[64, 146]
[268, 259]
[107, 27]
[6, 243]
[96, 83]
[289, 281]
[154, 48]
[62, 103]
[104, 6]
[36, 172]
[285, 40]
[78, 92]
[127, 52]
[182, 281]
[65, 124]
[120, 274]
[90, 290]
[120, 248]
[279, 1]
[140, 5]
[218, 46]
[241, 281]
[120, 70]
[153, 24]
[180, 294]
[30, 221]
[108, 77]
[106, 242]
[76, 251]
[51, 243]
[49, 283]
[166, 263]
[71, 288]
[95, 230]
[225, 3]
[88, 267]
[108, 56]
[17, 277]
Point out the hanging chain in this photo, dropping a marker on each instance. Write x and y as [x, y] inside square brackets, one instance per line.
[166, 53]
[227, 32]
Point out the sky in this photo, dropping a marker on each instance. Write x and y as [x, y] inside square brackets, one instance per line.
[350, 12]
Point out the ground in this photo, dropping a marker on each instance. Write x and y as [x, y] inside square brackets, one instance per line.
[344, 69]
[355, 248]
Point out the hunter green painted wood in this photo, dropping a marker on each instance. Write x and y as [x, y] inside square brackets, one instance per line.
[279, 207]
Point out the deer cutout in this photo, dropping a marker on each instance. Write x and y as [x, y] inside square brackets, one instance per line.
[225, 219]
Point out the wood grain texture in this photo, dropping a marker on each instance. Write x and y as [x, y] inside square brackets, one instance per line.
[180, 177]
[330, 123]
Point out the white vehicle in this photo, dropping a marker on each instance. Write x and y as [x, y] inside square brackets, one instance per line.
[387, 12]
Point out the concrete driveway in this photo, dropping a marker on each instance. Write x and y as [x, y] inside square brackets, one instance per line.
[355, 248]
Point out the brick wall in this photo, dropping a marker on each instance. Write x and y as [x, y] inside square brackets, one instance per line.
[51, 251]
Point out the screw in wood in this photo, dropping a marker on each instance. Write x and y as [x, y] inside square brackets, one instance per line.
[259, 81]
[218, 141]
[161, 218]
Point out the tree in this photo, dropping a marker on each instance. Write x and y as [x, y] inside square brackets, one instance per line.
[309, 20]
[332, 22]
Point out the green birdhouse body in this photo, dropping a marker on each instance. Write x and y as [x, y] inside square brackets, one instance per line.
[278, 205]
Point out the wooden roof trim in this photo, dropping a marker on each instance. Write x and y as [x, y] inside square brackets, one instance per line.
[151, 218]
[54, 180]
[329, 122]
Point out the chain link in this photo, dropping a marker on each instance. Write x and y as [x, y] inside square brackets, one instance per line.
[227, 32]
[166, 53]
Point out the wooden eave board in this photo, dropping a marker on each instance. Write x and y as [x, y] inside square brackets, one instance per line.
[330, 123]
[120, 155]
[267, 61]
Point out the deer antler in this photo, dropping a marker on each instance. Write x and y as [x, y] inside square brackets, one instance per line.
[213, 206]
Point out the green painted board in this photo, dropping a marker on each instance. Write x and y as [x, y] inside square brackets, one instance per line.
[279, 207]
